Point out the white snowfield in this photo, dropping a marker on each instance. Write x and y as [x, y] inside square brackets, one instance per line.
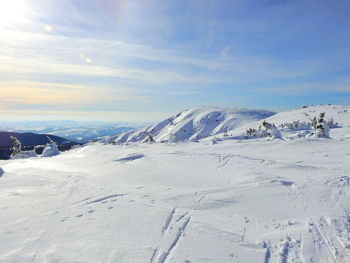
[281, 200]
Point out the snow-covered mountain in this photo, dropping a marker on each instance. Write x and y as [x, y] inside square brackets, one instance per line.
[195, 124]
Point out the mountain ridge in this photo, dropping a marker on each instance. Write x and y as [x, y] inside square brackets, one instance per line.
[194, 124]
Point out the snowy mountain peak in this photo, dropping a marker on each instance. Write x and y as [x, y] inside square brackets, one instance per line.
[195, 124]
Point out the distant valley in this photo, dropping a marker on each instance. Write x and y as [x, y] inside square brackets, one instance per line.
[80, 132]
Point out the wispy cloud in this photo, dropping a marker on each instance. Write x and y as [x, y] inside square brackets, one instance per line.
[150, 55]
[33, 52]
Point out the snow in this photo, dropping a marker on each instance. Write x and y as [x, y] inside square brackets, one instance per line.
[50, 150]
[24, 154]
[195, 124]
[279, 200]
[338, 112]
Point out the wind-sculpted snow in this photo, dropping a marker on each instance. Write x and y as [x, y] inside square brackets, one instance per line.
[50, 150]
[195, 124]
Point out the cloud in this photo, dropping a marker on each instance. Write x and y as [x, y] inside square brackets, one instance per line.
[36, 53]
[113, 116]
[121, 55]
[18, 93]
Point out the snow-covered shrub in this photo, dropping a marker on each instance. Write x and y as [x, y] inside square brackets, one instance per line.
[50, 149]
[314, 123]
[15, 147]
[295, 125]
[266, 130]
[322, 128]
[251, 133]
[17, 153]
[271, 130]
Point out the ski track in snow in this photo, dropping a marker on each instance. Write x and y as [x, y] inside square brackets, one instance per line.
[179, 235]
[173, 231]
[168, 220]
[104, 198]
[326, 240]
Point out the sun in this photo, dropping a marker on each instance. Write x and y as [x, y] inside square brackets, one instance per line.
[13, 11]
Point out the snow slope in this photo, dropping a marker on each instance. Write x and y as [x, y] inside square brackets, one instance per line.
[339, 113]
[234, 201]
[195, 124]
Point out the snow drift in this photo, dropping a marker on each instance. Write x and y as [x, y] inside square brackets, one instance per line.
[50, 150]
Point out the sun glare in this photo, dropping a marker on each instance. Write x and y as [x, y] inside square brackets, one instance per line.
[48, 28]
[13, 11]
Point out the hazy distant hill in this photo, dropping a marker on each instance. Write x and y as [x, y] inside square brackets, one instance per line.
[81, 132]
[30, 140]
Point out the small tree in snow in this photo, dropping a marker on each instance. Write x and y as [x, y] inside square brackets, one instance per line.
[314, 123]
[15, 146]
[266, 130]
[17, 153]
[251, 133]
[271, 130]
[322, 128]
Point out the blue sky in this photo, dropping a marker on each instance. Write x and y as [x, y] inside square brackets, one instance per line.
[142, 60]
